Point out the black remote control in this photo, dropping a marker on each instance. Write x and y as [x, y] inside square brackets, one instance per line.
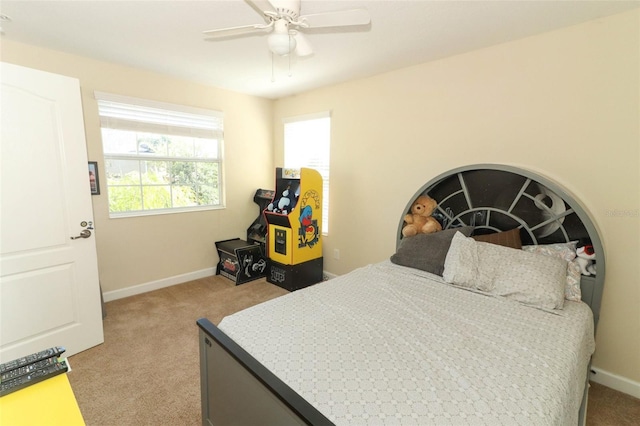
[30, 359]
[21, 371]
[34, 377]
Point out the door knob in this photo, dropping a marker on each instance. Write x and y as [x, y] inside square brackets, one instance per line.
[83, 234]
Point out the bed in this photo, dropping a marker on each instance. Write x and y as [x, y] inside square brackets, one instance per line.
[484, 322]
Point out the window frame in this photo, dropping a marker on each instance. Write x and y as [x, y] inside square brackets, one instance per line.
[175, 120]
[325, 173]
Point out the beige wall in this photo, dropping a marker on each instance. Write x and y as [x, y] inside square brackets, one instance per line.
[141, 250]
[564, 104]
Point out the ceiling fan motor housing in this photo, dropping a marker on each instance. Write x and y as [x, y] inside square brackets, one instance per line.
[288, 9]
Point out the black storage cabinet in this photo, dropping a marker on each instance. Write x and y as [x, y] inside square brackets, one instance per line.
[295, 277]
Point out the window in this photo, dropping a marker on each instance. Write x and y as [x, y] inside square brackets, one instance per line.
[307, 142]
[160, 158]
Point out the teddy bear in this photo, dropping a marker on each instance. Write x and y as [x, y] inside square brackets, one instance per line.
[420, 221]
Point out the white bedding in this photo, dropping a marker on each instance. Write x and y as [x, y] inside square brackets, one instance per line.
[387, 344]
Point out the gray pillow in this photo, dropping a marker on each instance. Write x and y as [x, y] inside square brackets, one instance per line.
[427, 252]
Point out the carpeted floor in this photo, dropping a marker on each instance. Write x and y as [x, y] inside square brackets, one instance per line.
[147, 371]
[608, 407]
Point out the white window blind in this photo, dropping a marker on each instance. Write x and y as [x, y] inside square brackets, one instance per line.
[307, 142]
[125, 113]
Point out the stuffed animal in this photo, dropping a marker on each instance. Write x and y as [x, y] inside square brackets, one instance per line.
[585, 258]
[284, 204]
[420, 221]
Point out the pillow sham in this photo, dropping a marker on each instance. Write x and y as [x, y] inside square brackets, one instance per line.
[529, 278]
[505, 238]
[572, 290]
[427, 252]
[461, 265]
[566, 251]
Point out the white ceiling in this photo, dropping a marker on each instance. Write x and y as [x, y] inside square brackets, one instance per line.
[166, 36]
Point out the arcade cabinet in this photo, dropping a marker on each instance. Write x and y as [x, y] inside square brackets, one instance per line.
[294, 238]
[257, 232]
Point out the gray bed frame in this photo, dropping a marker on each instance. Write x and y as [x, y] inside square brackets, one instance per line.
[237, 390]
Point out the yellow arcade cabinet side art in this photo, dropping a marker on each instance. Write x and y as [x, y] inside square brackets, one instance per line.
[294, 243]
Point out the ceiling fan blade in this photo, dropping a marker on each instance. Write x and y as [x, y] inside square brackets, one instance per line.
[236, 31]
[303, 47]
[262, 6]
[337, 19]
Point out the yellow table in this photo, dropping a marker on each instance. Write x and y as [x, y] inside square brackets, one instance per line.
[48, 403]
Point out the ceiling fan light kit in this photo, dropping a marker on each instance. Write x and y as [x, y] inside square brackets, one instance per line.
[286, 25]
[281, 42]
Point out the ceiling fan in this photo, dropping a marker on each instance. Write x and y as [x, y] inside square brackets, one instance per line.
[285, 25]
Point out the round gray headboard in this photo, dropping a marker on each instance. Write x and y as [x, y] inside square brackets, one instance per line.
[495, 198]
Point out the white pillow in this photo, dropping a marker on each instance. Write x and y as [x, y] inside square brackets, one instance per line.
[461, 264]
[566, 251]
[529, 278]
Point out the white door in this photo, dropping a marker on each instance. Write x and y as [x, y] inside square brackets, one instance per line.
[49, 288]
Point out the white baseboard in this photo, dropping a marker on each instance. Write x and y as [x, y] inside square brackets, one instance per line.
[328, 275]
[167, 282]
[613, 381]
[156, 285]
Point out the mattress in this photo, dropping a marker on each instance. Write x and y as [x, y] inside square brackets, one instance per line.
[387, 344]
